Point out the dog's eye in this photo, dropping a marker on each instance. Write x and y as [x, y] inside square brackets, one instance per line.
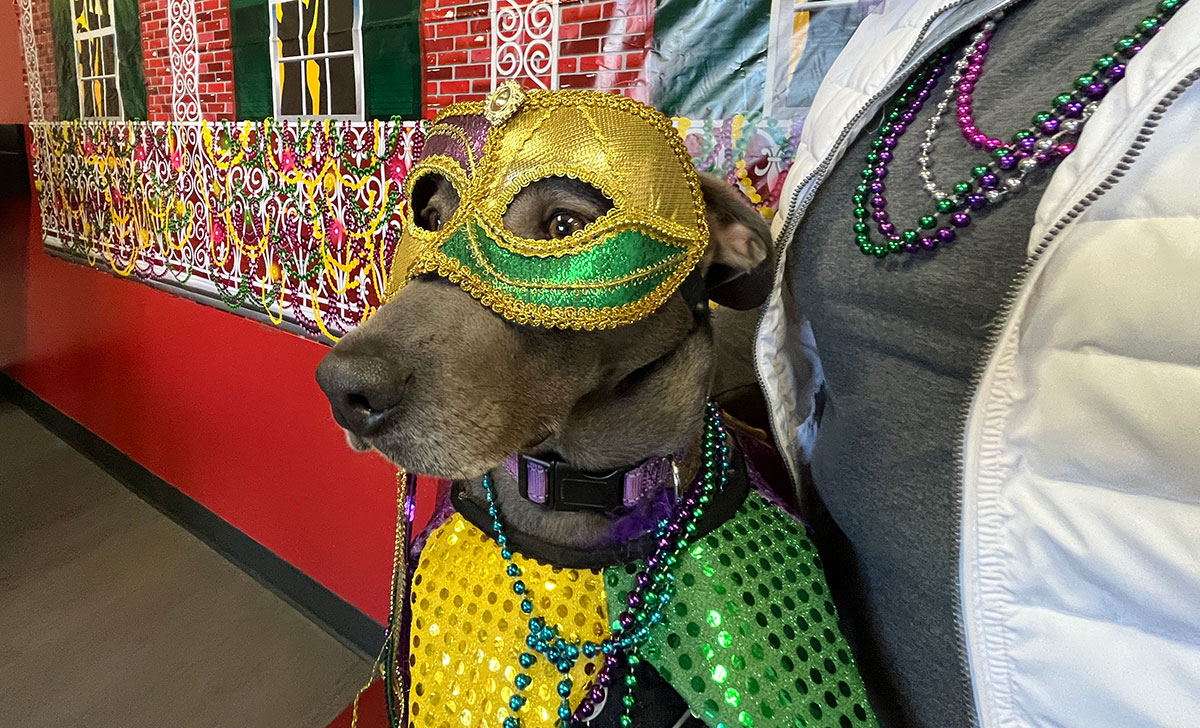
[434, 201]
[433, 220]
[562, 224]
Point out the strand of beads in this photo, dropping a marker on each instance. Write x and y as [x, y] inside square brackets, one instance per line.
[654, 587]
[1045, 143]
[1050, 137]
[1057, 127]
[967, 70]
[899, 115]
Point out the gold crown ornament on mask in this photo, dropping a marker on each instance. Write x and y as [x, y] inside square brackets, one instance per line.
[614, 271]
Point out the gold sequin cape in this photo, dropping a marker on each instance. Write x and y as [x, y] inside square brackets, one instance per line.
[750, 637]
[617, 269]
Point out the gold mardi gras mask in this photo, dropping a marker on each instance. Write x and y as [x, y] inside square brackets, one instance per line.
[614, 271]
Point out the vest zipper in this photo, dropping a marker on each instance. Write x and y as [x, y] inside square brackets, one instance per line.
[999, 323]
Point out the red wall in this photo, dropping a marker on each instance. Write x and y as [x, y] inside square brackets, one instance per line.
[221, 407]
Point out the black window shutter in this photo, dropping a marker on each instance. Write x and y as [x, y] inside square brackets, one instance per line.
[250, 27]
[391, 49]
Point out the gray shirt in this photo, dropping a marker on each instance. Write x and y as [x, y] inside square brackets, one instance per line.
[899, 340]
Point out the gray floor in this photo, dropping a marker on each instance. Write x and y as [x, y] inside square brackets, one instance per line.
[113, 616]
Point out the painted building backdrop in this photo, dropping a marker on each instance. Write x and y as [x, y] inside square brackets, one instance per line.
[250, 153]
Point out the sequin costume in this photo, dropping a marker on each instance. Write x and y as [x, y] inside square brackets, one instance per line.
[749, 636]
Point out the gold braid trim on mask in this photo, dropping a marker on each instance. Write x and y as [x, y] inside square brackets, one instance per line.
[475, 206]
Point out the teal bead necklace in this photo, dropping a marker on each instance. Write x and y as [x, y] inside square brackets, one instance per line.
[1045, 143]
[654, 587]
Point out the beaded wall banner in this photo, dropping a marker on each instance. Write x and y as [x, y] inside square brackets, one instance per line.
[292, 223]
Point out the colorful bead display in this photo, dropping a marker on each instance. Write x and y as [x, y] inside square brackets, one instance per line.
[1048, 140]
[296, 222]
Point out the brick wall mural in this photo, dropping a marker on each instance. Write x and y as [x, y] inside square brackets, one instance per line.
[38, 45]
[183, 82]
[250, 153]
[594, 44]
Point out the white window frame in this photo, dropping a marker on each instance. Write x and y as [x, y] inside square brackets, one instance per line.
[355, 52]
[116, 71]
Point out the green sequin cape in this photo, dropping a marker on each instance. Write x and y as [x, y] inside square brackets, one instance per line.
[751, 637]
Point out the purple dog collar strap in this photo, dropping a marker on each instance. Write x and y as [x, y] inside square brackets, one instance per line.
[558, 486]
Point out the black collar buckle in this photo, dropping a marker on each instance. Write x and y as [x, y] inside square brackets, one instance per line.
[559, 487]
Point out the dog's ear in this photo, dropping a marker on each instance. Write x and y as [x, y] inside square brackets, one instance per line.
[738, 267]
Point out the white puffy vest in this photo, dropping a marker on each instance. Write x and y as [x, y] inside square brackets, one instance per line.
[1080, 530]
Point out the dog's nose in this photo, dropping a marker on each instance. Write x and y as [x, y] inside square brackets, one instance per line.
[362, 390]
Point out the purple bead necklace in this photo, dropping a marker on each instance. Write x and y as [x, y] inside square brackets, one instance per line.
[1046, 142]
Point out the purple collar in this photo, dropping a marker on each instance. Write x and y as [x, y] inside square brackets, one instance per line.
[558, 486]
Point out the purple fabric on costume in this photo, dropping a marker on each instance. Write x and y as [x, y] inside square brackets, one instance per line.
[442, 510]
[445, 142]
[750, 446]
[643, 518]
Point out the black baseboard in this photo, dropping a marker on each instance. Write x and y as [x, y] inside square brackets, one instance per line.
[335, 615]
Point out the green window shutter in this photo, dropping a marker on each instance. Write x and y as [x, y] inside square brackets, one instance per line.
[391, 49]
[129, 51]
[250, 26]
[64, 59]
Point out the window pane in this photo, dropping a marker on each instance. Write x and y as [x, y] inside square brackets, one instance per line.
[287, 18]
[342, 88]
[343, 40]
[108, 53]
[91, 15]
[95, 89]
[95, 61]
[112, 102]
[291, 84]
[84, 49]
[341, 17]
[100, 10]
[314, 86]
[312, 26]
[89, 101]
[85, 17]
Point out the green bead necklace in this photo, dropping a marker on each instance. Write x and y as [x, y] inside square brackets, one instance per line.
[653, 591]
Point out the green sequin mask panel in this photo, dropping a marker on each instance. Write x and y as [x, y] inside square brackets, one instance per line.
[619, 270]
[750, 637]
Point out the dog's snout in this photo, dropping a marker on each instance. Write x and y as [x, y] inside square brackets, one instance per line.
[362, 390]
